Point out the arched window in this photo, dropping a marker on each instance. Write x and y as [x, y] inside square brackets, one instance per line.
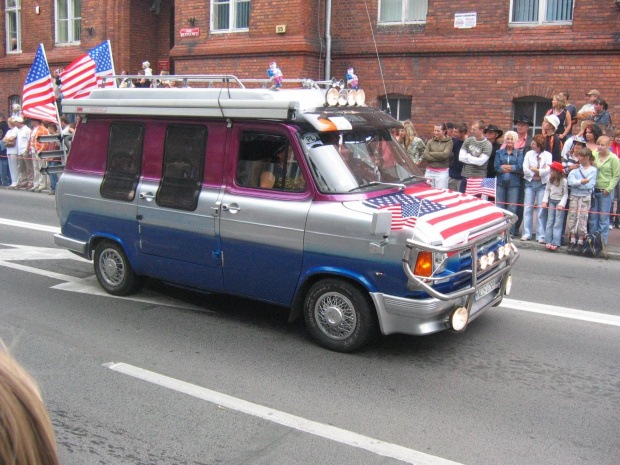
[399, 108]
[533, 107]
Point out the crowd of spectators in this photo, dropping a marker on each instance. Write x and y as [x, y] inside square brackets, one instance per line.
[567, 174]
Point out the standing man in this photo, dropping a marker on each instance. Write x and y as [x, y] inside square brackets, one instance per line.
[456, 166]
[588, 108]
[24, 163]
[572, 109]
[606, 180]
[554, 144]
[524, 141]
[492, 133]
[5, 178]
[475, 154]
[34, 149]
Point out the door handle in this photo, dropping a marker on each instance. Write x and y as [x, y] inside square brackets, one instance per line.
[148, 196]
[232, 208]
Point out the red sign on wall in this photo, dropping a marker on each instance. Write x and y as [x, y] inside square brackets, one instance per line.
[163, 65]
[190, 32]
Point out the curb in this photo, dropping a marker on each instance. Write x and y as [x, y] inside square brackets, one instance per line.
[613, 252]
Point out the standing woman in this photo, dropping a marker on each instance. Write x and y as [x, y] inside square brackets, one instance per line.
[437, 154]
[558, 108]
[414, 146]
[536, 172]
[591, 133]
[509, 171]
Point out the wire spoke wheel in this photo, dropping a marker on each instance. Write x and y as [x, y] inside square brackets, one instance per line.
[113, 270]
[335, 316]
[112, 267]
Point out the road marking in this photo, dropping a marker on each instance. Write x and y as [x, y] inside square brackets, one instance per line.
[21, 253]
[332, 433]
[563, 312]
[36, 227]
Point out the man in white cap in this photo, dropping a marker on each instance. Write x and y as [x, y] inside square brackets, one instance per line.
[588, 109]
[554, 144]
[24, 162]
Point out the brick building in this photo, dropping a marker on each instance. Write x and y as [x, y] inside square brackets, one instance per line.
[441, 60]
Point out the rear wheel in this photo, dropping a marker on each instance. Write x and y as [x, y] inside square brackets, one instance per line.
[338, 315]
[113, 269]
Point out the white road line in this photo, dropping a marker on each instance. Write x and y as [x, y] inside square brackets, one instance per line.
[36, 227]
[332, 433]
[563, 312]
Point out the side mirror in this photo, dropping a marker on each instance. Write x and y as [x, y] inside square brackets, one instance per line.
[381, 223]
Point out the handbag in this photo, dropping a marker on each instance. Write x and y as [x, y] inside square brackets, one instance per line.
[594, 245]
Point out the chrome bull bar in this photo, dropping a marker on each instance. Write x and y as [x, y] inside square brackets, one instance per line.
[498, 268]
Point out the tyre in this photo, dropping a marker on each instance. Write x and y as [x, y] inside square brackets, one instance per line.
[113, 270]
[338, 315]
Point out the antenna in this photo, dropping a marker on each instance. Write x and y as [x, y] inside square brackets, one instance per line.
[389, 110]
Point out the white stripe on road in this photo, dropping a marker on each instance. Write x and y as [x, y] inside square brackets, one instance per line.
[332, 433]
[36, 227]
[563, 312]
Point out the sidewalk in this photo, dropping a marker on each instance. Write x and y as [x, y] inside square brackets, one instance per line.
[613, 244]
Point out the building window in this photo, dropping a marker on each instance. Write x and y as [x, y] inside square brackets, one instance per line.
[68, 21]
[534, 107]
[230, 15]
[399, 108]
[14, 100]
[402, 11]
[535, 12]
[13, 26]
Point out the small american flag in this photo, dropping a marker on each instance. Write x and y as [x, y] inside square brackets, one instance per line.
[449, 213]
[78, 79]
[481, 186]
[38, 100]
[102, 56]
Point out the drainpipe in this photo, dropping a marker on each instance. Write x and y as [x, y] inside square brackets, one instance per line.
[328, 40]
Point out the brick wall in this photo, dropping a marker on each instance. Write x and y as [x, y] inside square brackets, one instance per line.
[450, 74]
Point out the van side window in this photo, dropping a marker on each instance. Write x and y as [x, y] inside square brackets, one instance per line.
[267, 161]
[183, 170]
[124, 161]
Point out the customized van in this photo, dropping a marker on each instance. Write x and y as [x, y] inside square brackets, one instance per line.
[297, 197]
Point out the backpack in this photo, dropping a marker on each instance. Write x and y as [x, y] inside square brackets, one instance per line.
[594, 245]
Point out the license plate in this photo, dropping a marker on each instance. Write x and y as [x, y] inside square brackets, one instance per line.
[488, 287]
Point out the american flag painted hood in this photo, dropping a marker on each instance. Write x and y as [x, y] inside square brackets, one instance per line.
[436, 215]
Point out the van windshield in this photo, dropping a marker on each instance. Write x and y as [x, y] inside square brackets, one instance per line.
[358, 160]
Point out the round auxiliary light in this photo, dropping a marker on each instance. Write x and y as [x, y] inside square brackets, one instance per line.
[508, 284]
[491, 256]
[483, 263]
[351, 97]
[459, 319]
[501, 251]
[342, 98]
[331, 97]
[360, 97]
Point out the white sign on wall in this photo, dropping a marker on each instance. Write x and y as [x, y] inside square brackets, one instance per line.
[465, 20]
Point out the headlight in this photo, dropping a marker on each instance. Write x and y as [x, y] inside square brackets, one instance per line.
[331, 97]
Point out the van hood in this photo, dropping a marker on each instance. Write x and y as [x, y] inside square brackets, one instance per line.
[435, 216]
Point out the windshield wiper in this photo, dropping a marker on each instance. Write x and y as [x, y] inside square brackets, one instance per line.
[379, 183]
[415, 176]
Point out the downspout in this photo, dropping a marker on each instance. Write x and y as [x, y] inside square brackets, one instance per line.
[328, 39]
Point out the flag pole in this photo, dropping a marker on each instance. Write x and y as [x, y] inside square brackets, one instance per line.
[112, 61]
[52, 77]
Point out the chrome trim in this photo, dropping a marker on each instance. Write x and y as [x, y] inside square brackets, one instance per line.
[79, 247]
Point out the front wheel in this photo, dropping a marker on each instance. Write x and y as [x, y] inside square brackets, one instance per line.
[113, 269]
[338, 315]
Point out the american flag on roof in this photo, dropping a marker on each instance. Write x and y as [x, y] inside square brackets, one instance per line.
[78, 79]
[102, 56]
[449, 213]
[481, 186]
[38, 100]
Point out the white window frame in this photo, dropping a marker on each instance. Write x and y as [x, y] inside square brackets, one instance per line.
[403, 14]
[398, 111]
[232, 16]
[542, 10]
[71, 20]
[16, 10]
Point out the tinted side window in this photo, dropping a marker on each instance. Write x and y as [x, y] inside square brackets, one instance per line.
[124, 161]
[268, 161]
[184, 157]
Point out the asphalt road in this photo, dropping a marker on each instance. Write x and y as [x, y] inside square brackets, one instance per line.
[174, 377]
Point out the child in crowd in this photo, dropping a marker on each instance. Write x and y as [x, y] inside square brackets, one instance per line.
[582, 181]
[556, 196]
